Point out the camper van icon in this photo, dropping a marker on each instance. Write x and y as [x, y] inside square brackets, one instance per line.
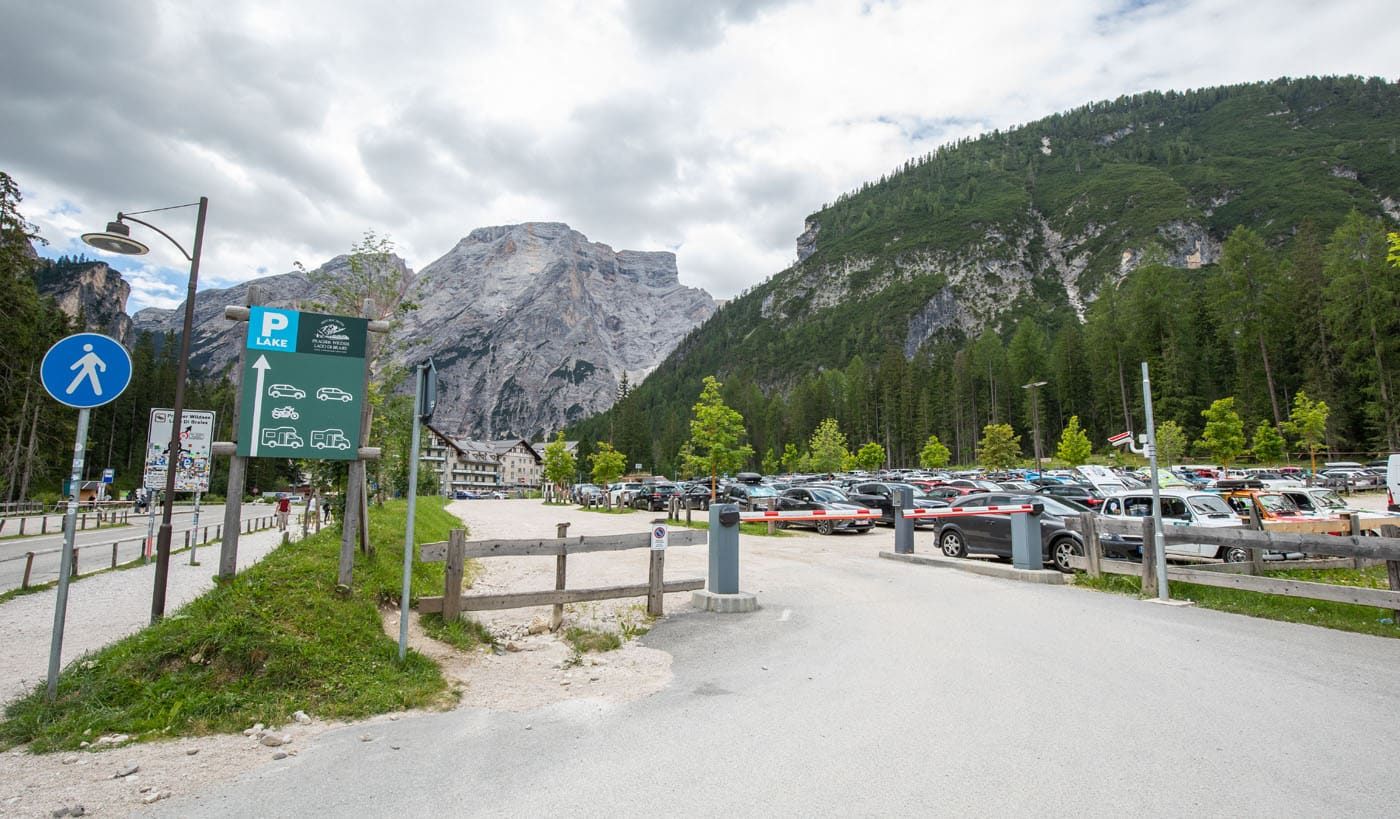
[329, 439]
[281, 437]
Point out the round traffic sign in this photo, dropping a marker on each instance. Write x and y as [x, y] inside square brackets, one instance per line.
[85, 370]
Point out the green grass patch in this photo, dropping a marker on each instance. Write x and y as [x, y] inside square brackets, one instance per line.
[586, 639]
[465, 633]
[275, 639]
[1340, 616]
[617, 510]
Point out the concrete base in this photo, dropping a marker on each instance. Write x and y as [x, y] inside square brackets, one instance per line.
[724, 603]
[1159, 601]
[975, 566]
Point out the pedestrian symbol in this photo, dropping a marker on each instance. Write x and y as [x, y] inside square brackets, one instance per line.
[86, 370]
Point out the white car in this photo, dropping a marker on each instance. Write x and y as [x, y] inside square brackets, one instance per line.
[1180, 507]
[333, 394]
[1319, 501]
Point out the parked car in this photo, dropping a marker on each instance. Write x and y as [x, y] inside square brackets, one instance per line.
[1088, 496]
[654, 497]
[748, 496]
[991, 533]
[1180, 507]
[696, 495]
[587, 493]
[826, 499]
[880, 495]
[1392, 483]
[621, 493]
[1320, 501]
[947, 492]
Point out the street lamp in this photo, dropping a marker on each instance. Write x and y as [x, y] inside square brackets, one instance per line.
[1034, 387]
[117, 239]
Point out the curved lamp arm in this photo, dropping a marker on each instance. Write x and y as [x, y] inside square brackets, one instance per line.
[122, 217]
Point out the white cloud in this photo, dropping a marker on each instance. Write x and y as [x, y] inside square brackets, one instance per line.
[647, 124]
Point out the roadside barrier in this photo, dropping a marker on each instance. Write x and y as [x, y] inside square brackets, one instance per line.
[254, 524]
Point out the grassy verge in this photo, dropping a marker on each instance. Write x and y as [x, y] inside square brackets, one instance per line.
[587, 639]
[1341, 616]
[465, 634]
[617, 510]
[275, 639]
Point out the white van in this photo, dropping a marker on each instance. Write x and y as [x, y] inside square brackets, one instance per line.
[1392, 483]
[1180, 507]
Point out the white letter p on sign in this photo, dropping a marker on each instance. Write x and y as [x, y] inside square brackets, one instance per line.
[272, 322]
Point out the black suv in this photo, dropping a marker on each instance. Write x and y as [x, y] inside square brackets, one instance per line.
[880, 495]
[654, 496]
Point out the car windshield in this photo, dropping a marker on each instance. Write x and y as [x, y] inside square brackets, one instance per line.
[825, 495]
[1278, 504]
[1210, 506]
[761, 491]
[1329, 499]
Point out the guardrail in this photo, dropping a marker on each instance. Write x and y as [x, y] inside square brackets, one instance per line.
[20, 507]
[1385, 547]
[456, 550]
[250, 525]
[113, 517]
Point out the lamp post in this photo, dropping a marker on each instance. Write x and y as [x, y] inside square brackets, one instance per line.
[117, 239]
[1034, 387]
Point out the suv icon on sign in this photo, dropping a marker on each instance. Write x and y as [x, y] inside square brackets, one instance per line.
[333, 394]
[285, 391]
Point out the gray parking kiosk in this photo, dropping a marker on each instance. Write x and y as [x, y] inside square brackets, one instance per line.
[1025, 539]
[722, 591]
[903, 527]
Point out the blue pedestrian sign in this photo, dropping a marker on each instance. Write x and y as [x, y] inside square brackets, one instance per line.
[85, 370]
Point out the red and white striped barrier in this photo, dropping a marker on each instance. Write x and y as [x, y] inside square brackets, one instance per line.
[807, 514]
[960, 512]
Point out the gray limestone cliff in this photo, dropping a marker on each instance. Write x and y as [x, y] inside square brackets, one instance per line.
[90, 290]
[530, 326]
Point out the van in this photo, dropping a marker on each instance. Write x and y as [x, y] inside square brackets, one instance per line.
[1392, 483]
[1180, 507]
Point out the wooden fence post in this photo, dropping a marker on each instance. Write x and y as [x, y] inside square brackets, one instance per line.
[1091, 542]
[28, 567]
[655, 576]
[1256, 556]
[114, 553]
[556, 616]
[1354, 522]
[772, 524]
[452, 577]
[75, 561]
[1149, 558]
[1392, 567]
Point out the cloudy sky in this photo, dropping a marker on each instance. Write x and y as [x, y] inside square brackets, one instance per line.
[706, 128]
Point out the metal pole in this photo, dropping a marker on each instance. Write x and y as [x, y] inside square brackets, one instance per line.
[1035, 408]
[1157, 536]
[65, 566]
[194, 530]
[150, 527]
[412, 506]
[173, 453]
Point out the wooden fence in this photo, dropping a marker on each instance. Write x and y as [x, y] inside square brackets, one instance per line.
[457, 550]
[1355, 546]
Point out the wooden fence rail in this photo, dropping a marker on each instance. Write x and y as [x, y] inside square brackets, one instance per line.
[1386, 547]
[456, 550]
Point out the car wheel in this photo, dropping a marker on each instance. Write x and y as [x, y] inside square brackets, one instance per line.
[825, 527]
[1236, 554]
[782, 524]
[951, 542]
[1060, 552]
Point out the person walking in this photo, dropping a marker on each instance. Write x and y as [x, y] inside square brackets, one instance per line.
[284, 509]
[312, 513]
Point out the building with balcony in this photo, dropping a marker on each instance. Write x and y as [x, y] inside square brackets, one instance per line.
[467, 465]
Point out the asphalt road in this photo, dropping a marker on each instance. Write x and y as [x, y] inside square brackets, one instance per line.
[129, 537]
[868, 687]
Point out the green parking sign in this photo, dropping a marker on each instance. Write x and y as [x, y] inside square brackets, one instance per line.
[303, 379]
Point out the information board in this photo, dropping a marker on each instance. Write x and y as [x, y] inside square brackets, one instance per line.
[196, 437]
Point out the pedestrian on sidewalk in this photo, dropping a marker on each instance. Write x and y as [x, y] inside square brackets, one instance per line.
[284, 509]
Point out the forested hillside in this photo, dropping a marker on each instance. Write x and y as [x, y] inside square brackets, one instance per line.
[1232, 237]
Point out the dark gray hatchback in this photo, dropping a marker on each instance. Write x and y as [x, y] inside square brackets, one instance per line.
[991, 533]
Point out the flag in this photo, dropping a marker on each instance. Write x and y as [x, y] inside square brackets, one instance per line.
[1120, 439]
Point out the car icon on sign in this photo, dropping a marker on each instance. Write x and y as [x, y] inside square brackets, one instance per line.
[285, 412]
[333, 394]
[285, 391]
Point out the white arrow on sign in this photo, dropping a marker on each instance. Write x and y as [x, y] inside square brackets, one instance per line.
[262, 367]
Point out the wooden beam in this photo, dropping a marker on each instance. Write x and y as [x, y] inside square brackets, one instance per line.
[518, 600]
[552, 547]
[1382, 598]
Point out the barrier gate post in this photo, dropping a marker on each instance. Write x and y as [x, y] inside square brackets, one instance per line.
[722, 592]
[1025, 539]
[903, 526]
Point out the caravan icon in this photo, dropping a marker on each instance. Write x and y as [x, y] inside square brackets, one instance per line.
[329, 439]
[282, 436]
